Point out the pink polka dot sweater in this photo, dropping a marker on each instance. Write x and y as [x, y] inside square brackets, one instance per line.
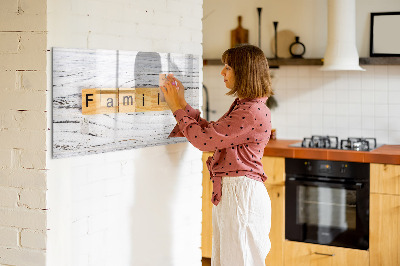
[238, 139]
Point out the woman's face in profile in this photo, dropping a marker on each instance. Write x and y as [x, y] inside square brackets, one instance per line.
[229, 76]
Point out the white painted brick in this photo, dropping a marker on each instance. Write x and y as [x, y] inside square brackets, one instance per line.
[167, 19]
[149, 6]
[79, 228]
[8, 6]
[22, 22]
[23, 178]
[33, 120]
[153, 32]
[15, 158]
[8, 197]
[34, 140]
[5, 158]
[23, 218]
[31, 55]
[8, 237]
[33, 159]
[23, 100]
[98, 222]
[190, 22]
[179, 7]
[9, 42]
[7, 80]
[33, 199]
[17, 256]
[31, 80]
[33, 239]
[33, 7]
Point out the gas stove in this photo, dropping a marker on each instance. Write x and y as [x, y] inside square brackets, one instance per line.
[332, 142]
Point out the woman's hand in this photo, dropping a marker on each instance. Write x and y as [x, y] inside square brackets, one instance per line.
[173, 97]
[181, 92]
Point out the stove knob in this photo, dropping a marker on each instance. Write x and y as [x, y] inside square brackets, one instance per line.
[343, 168]
[308, 166]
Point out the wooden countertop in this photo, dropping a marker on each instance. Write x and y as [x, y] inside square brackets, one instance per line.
[389, 154]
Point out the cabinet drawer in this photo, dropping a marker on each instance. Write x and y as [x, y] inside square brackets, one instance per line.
[305, 254]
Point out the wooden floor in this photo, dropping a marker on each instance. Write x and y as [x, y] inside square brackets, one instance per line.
[206, 261]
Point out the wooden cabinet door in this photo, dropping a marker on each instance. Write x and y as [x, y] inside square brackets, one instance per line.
[277, 233]
[385, 178]
[274, 168]
[384, 236]
[305, 254]
[206, 225]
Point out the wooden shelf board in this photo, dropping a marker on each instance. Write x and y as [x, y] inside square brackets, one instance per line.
[273, 62]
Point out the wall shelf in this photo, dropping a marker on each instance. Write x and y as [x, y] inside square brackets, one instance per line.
[274, 63]
[380, 61]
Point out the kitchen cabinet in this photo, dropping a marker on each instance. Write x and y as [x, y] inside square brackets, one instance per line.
[206, 225]
[305, 254]
[385, 178]
[385, 214]
[274, 168]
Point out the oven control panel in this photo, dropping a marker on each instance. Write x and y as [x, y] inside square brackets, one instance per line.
[338, 169]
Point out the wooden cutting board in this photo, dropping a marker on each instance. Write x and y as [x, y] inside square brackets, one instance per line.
[239, 35]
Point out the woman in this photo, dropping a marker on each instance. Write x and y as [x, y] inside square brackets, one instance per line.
[242, 208]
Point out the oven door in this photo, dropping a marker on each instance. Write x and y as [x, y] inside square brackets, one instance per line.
[327, 213]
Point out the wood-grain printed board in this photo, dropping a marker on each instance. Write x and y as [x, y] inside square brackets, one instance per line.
[75, 134]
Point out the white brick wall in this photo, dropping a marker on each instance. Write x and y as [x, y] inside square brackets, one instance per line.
[135, 207]
[23, 132]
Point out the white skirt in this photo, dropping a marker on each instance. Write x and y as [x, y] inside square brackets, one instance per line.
[241, 223]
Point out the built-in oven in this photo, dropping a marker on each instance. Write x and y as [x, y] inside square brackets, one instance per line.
[327, 202]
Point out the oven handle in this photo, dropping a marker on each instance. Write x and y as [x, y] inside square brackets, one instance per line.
[357, 185]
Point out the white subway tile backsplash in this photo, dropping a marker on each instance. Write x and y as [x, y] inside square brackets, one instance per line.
[342, 109]
[367, 96]
[342, 96]
[394, 137]
[394, 83]
[352, 102]
[368, 110]
[368, 123]
[382, 123]
[381, 110]
[342, 122]
[394, 123]
[291, 71]
[394, 110]
[304, 72]
[355, 132]
[393, 71]
[381, 84]
[355, 122]
[329, 122]
[354, 80]
[342, 81]
[329, 93]
[292, 83]
[304, 82]
[381, 97]
[380, 71]
[394, 97]
[329, 109]
[355, 96]
[381, 136]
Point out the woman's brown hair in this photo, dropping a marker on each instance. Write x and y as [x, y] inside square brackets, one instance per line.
[250, 66]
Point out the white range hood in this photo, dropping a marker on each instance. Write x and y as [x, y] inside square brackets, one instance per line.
[341, 51]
